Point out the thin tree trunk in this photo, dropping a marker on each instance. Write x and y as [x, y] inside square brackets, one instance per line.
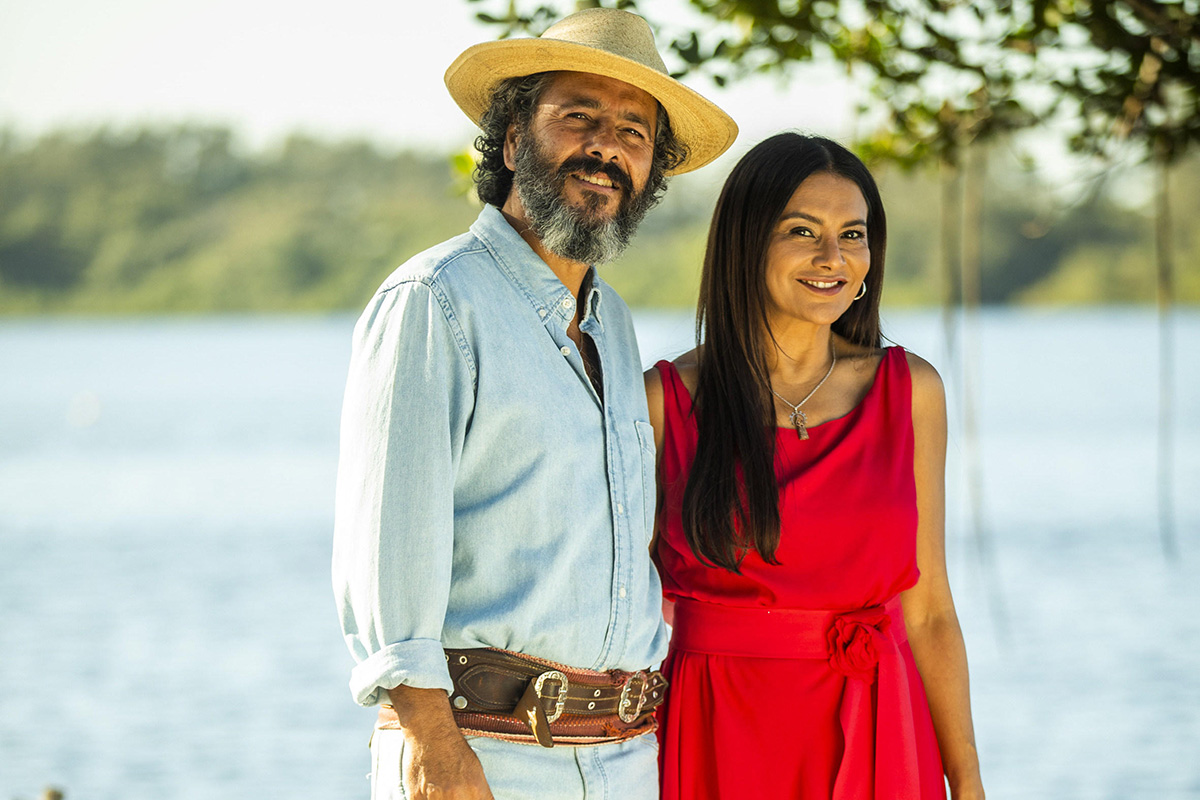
[1166, 363]
[971, 281]
[951, 181]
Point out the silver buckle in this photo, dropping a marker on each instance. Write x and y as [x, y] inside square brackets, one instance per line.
[624, 712]
[560, 701]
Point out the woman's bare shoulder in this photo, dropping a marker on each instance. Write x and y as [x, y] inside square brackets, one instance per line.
[654, 387]
[688, 367]
[922, 371]
[927, 388]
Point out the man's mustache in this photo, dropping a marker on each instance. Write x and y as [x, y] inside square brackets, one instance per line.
[590, 165]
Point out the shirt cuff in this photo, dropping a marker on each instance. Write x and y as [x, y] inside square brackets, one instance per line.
[420, 663]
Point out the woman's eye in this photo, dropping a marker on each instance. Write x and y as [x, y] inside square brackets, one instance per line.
[801, 232]
[856, 234]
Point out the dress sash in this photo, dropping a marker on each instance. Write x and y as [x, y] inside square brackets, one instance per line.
[876, 714]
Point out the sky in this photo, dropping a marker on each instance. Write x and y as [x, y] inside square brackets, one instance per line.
[352, 68]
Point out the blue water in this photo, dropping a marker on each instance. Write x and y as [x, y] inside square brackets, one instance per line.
[167, 627]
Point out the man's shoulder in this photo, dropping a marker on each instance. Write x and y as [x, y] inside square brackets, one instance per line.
[436, 266]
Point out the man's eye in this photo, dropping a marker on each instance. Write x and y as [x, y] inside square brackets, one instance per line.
[635, 132]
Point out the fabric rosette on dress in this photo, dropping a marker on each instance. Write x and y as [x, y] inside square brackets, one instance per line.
[855, 640]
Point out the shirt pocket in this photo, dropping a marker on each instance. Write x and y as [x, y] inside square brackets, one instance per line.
[645, 433]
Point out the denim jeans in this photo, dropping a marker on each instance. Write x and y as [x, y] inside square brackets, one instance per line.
[622, 771]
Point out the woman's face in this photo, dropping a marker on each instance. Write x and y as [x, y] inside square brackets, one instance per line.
[818, 255]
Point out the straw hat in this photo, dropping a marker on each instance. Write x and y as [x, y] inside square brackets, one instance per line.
[601, 41]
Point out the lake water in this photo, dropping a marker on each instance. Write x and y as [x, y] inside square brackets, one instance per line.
[167, 627]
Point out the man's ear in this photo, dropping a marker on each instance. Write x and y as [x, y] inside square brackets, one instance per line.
[510, 147]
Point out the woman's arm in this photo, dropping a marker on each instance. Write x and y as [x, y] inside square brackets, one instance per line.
[655, 401]
[933, 630]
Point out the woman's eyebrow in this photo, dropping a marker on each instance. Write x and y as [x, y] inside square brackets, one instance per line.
[801, 215]
[818, 220]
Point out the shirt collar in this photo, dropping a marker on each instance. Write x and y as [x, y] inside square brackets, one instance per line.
[551, 300]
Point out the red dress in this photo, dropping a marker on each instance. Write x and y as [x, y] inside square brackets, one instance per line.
[796, 680]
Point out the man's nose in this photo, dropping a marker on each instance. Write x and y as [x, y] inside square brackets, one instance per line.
[603, 143]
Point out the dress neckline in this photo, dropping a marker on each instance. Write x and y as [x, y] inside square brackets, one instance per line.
[875, 387]
[887, 353]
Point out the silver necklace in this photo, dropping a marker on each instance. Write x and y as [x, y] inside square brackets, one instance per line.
[798, 418]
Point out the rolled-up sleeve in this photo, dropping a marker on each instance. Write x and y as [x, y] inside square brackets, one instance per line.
[408, 400]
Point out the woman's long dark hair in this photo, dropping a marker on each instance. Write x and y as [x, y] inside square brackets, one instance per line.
[731, 503]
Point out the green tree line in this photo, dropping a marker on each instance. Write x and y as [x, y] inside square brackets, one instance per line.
[183, 219]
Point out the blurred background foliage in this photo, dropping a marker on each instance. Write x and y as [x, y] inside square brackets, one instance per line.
[164, 219]
[180, 219]
[184, 219]
[946, 73]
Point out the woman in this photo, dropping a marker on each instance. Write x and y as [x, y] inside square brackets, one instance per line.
[816, 652]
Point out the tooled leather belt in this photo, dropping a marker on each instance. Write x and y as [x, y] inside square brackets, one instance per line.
[519, 698]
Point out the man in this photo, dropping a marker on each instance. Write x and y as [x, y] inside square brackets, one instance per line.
[496, 485]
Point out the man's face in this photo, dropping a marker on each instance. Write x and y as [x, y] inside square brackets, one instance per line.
[582, 166]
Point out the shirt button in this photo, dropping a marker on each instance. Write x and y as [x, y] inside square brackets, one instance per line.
[542, 313]
[568, 302]
[566, 351]
[620, 508]
[622, 591]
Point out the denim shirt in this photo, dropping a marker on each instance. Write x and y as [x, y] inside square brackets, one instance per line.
[486, 495]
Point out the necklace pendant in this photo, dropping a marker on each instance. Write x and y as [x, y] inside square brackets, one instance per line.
[799, 421]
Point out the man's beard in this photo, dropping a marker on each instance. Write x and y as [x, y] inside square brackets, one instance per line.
[578, 234]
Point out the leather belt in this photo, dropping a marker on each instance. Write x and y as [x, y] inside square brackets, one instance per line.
[512, 696]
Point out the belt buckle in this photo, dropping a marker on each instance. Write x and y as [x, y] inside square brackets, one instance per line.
[623, 708]
[560, 701]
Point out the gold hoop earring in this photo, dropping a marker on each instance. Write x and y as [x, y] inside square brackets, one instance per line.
[862, 291]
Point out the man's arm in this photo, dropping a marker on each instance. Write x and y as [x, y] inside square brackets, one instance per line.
[438, 762]
[408, 396]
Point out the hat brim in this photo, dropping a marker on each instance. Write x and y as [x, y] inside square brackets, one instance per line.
[699, 124]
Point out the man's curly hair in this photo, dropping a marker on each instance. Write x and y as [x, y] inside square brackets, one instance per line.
[513, 101]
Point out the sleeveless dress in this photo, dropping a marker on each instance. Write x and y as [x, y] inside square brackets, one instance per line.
[796, 680]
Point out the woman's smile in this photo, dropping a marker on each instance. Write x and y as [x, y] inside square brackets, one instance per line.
[827, 288]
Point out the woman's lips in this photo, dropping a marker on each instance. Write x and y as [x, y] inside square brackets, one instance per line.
[822, 287]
